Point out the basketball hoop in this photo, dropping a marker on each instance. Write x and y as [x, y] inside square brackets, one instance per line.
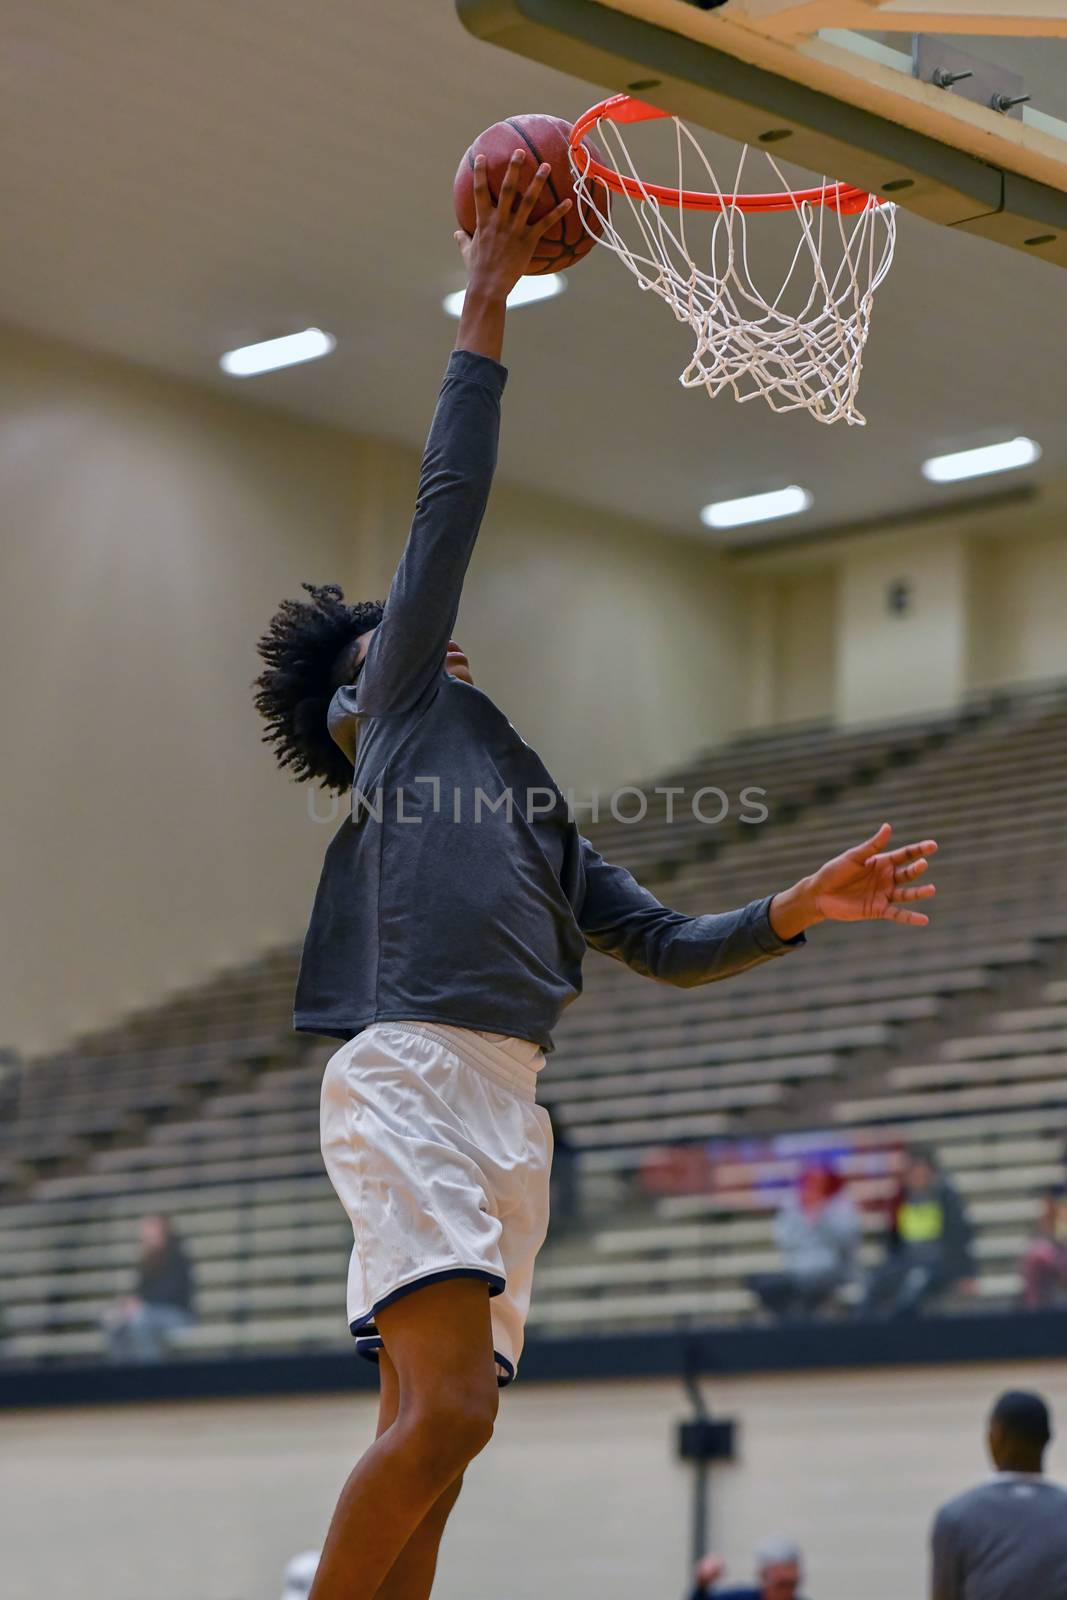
[801, 346]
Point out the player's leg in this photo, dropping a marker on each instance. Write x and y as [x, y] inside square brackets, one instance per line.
[413, 1571]
[520, 1191]
[439, 1340]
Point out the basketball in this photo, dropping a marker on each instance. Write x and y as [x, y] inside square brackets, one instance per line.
[545, 138]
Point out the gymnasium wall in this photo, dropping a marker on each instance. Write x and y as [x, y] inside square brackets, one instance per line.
[892, 664]
[149, 530]
[980, 604]
[793, 628]
[1019, 606]
[578, 1494]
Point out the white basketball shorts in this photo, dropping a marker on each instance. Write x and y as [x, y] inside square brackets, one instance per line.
[438, 1152]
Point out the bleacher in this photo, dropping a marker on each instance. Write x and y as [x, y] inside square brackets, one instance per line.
[206, 1106]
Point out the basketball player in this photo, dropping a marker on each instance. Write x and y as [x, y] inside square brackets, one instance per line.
[1007, 1538]
[452, 915]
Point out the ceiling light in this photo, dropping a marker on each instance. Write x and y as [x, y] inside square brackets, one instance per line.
[272, 353]
[1019, 452]
[542, 286]
[756, 507]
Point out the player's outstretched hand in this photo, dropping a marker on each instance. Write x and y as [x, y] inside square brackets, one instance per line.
[499, 251]
[865, 884]
[872, 884]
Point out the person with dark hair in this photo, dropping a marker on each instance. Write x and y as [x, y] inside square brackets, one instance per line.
[1006, 1539]
[817, 1231]
[139, 1328]
[929, 1243]
[453, 912]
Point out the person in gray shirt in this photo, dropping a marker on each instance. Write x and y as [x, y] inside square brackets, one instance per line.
[818, 1232]
[455, 906]
[1006, 1539]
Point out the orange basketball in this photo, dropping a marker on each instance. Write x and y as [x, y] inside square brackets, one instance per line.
[543, 138]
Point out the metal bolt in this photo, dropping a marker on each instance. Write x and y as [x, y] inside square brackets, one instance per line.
[1007, 102]
[944, 79]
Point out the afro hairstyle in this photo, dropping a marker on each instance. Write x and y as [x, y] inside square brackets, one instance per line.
[293, 692]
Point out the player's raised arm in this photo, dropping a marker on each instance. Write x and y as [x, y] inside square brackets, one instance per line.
[864, 884]
[408, 647]
[620, 918]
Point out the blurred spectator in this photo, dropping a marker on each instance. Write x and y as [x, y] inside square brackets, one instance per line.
[1044, 1264]
[565, 1200]
[299, 1575]
[817, 1232]
[779, 1574]
[929, 1246]
[138, 1327]
[1006, 1539]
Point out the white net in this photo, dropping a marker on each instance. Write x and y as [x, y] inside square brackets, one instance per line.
[797, 342]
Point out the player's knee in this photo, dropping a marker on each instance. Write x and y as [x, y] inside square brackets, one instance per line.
[454, 1426]
[466, 1417]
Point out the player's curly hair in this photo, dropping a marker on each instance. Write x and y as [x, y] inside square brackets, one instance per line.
[301, 648]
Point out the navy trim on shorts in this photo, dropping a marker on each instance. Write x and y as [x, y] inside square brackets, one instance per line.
[497, 1285]
[369, 1341]
[369, 1349]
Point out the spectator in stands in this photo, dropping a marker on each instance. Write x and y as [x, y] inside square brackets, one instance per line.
[779, 1574]
[139, 1327]
[929, 1245]
[817, 1232]
[1044, 1265]
[1006, 1539]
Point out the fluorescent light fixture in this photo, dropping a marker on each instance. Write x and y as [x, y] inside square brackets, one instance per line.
[756, 508]
[539, 286]
[272, 353]
[1019, 452]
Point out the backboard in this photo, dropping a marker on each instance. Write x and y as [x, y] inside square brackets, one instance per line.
[947, 107]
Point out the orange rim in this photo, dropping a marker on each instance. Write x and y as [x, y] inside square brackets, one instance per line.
[840, 197]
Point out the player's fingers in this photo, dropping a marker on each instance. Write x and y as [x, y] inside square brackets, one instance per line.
[483, 200]
[911, 852]
[869, 847]
[542, 227]
[510, 185]
[532, 192]
[914, 869]
[910, 919]
[921, 891]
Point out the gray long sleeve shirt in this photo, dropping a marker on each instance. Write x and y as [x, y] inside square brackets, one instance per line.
[459, 890]
[1004, 1540]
